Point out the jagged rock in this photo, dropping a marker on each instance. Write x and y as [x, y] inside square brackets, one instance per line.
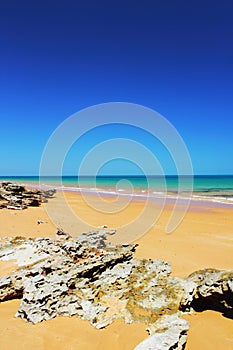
[169, 333]
[13, 196]
[88, 278]
[213, 291]
[11, 287]
[96, 239]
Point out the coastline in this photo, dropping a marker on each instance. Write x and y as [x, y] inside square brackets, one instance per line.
[203, 239]
[198, 188]
[170, 197]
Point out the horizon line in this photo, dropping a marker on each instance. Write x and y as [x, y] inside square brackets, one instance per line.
[117, 175]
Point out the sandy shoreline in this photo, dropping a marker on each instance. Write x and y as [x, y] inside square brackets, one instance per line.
[195, 198]
[203, 239]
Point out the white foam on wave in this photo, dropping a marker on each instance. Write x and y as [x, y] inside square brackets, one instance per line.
[142, 194]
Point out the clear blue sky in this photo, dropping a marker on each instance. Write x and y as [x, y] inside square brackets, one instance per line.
[175, 56]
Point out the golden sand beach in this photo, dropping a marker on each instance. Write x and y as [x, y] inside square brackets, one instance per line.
[203, 239]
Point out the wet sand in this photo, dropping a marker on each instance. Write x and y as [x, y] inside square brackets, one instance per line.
[203, 239]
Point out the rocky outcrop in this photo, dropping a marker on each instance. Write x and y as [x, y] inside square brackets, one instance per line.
[170, 333]
[13, 196]
[88, 278]
[213, 291]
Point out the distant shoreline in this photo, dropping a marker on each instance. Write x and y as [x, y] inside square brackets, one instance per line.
[214, 191]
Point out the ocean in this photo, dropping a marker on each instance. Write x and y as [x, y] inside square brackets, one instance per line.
[215, 187]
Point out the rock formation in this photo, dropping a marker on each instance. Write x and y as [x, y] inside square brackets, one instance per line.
[87, 277]
[13, 196]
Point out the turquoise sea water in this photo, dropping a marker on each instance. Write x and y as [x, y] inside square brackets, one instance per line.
[220, 187]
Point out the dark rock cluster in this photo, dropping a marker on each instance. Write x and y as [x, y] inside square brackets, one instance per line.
[14, 196]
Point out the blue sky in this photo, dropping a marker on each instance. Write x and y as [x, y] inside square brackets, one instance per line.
[58, 57]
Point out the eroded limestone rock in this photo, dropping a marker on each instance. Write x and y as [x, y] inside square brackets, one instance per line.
[89, 278]
[14, 196]
[170, 332]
